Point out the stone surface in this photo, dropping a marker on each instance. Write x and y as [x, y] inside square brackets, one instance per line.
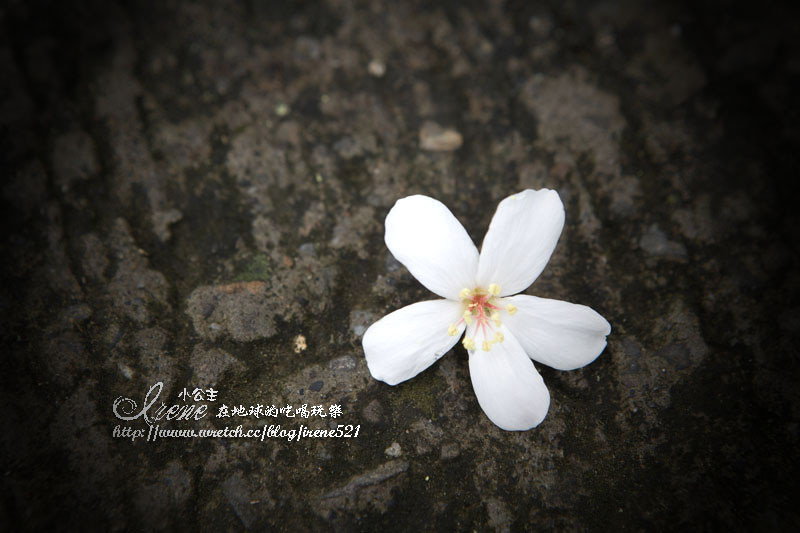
[195, 193]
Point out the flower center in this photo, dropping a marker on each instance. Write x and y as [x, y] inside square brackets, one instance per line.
[483, 307]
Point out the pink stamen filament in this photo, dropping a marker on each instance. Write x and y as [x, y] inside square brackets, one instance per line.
[479, 304]
[478, 307]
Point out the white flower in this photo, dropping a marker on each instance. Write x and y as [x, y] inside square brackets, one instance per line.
[503, 332]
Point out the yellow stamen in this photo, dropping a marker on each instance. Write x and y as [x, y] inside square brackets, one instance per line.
[465, 294]
[496, 318]
[452, 330]
[498, 337]
[468, 316]
[494, 289]
[468, 343]
[511, 308]
[486, 346]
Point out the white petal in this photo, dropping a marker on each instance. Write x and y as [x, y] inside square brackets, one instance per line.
[404, 343]
[509, 389]
[555, 333]
[424, 235]
[521, 237]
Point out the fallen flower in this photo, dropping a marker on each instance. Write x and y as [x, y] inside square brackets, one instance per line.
[503, 332]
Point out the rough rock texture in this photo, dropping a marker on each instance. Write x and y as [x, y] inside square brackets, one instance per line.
[194, 194]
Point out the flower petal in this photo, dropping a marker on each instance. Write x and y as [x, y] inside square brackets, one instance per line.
[558, 334]
[424, 235]
[521, 238]
[404, 343]
[509, 389]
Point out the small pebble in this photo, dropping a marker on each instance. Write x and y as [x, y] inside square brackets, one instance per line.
[394, 450]
[125, 370]
[434, 138]
[300, 344]
[376, 68]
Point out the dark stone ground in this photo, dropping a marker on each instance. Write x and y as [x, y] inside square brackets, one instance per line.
[189, 187]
